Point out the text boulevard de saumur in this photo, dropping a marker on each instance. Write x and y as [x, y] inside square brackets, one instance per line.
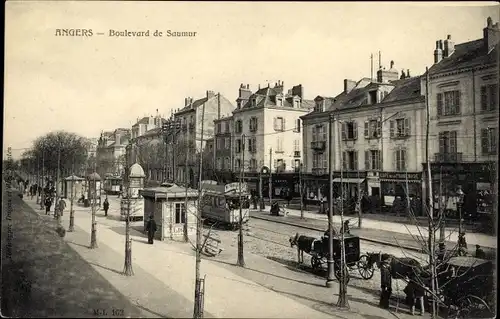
[124, 33]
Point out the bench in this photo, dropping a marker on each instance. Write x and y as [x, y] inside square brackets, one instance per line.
[211, 244]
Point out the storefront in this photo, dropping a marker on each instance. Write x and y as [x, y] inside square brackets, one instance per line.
[476, 180]
[317, 186]
[397, 188]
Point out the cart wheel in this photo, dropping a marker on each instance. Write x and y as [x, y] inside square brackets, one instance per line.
[364, 270]
[315, 263]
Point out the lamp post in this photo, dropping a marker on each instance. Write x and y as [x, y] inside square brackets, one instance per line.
[461, 234]
[263, 171]
[330, 276]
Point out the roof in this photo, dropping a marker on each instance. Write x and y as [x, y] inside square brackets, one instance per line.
[74, 178]
[268, 96]
[466, 261]
[466, 55]
[136, 171]
[174, 191]
[404, 89]
[94, 176]
[193, 105]
[152, 132]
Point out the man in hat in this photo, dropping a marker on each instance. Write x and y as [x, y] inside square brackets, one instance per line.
[385, 284]
[151, 229]
[106, 206]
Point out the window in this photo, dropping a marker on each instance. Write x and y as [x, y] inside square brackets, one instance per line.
[253, 124]
[238, 146]
[279, 144]
[252, 147]
[373, 97]
[218, 143]
[400, 128]
[448, 142]
[296, 148]
[373, 160]
[219, 163]
[297, 126]
[227, 163]
[319, 106]
[218, 128]
[350, 160]
[448, 103]
[237, 164]
[253, 164]
[489, 140]
[489, 95]
[254, 102]
[228, 127]
[319, 160]
[373, 129]
[279, 101]
[227, 143]
[349, 130]
[180, 213]
[319, 133]
[279, 164]
[279, 124]
[400, 160]
[238, 126]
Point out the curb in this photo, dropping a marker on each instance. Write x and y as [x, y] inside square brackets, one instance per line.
[321, 230]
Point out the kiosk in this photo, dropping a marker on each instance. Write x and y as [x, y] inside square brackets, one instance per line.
[94, 187]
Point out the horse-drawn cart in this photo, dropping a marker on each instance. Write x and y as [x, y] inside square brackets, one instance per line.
[318, 249]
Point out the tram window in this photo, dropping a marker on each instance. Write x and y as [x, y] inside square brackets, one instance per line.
[180, 213]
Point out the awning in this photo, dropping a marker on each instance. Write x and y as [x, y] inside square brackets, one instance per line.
[483, 186]
[349, 180]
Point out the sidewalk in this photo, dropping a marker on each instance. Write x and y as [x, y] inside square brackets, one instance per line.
[389, 233]
[46, 278]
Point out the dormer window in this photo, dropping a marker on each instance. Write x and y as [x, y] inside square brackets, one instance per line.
[319, 107]
[239, 104]
[279, 101]
[372, 97]
[254, 102]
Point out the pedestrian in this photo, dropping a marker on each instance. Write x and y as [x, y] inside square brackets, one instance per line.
[480, 253]
[385, 284]
[42, 199]
[48, 203]
[62, 206]
[151, 229]
[105, 205]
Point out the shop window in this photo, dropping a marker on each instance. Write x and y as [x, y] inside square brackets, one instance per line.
[180, 213]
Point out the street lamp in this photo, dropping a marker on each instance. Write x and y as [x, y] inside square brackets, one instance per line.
[263, 171]
[461, 234]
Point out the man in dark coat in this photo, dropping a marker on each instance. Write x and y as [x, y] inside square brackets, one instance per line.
[105, 206]
[151, 229]
[48, 203]
[385, 284]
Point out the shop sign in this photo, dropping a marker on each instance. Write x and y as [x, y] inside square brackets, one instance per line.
[349, 174]
[400, 175]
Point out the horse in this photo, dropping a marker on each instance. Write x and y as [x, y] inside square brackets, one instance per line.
[304, 243]
[400, 268]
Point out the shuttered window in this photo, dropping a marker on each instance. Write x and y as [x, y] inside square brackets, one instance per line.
[489, 96]
[489, 139]
[448, 103]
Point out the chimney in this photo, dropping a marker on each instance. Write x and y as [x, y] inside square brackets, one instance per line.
[403, 75]
[244, 92]
[349, 85]
[438, 52]
[392, 65]
[407, 73]
[385, 76]
[298, 90]
[449, 47]
[210, 94]
[491, 35]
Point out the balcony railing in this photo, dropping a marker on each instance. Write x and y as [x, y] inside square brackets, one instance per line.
[296, 154]
[448, 157]
[319, 171]
[318, 145]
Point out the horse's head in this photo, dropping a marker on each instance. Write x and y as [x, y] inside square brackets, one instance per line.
[293, 240]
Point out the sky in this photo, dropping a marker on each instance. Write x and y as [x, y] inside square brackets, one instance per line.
[90, 84]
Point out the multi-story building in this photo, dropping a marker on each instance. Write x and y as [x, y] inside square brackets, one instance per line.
[267, 132]
[463, 98]
[195, 126]
[223, 148]
[111, 152]
[376, 130]
[92, 147]
[145, 124]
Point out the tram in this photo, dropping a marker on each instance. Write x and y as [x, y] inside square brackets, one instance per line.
[112, 184]
[221, 203]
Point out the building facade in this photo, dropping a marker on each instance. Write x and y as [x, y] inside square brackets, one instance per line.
[111, 151]
[193, 125]
[267, 133]
[223, 148]
[463, 98]
[376, 129]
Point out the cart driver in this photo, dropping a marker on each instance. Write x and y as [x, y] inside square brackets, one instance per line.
[326, 235]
